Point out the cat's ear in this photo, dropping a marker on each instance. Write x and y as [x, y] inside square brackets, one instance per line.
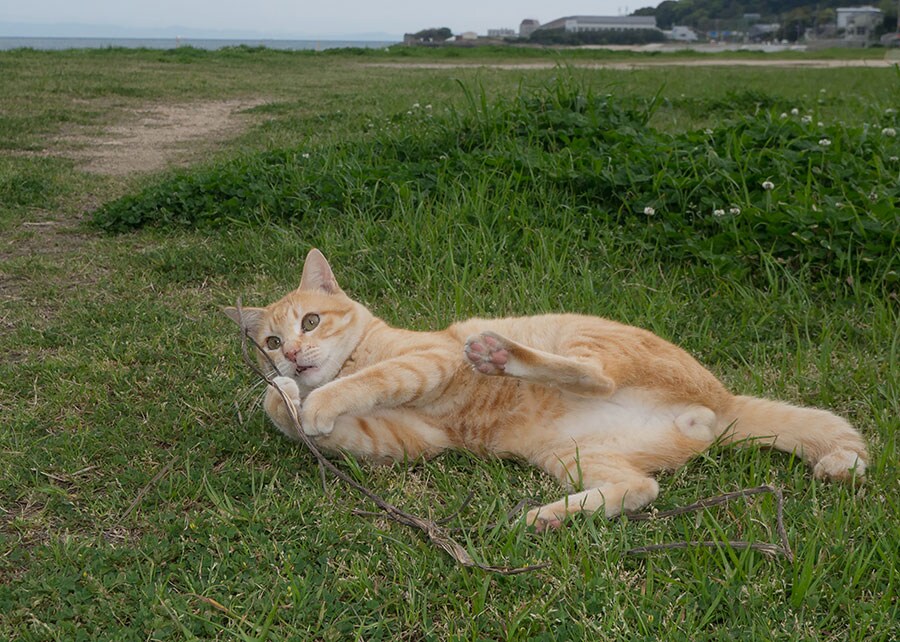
[317, 274]
[250, 317]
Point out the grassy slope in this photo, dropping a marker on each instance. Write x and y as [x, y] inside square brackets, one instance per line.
[117, 367]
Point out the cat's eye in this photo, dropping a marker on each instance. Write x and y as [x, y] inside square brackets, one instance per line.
[273, 343]
[309, 322]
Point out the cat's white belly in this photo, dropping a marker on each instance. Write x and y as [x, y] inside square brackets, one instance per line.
[632, 419]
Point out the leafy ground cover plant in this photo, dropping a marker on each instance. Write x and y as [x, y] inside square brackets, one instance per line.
[777, 182]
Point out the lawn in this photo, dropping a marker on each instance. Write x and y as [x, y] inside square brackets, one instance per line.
[143, 493]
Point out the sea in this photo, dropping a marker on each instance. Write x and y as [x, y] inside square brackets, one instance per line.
[7, 43]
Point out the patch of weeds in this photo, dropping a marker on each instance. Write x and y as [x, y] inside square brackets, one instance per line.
[31, 182]
[763, 182]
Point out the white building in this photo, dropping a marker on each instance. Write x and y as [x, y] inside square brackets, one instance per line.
[574, 24]
[501, 33]
[528, 27]
[858, 23]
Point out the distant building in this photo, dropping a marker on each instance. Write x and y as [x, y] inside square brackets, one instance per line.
[501, 33]
[528, 27]
[467, 35]
[575, 24]
[858, 24]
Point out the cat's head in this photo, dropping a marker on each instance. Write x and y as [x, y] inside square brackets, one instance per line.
[310, 333]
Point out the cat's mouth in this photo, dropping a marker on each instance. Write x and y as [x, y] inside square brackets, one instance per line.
[298, 369]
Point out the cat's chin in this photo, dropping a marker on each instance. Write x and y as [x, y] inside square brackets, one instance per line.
[306, 374]
[311, 377]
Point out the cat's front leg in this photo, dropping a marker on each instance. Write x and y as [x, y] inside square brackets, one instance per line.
[320, 410]
[277, 410]
[412, 378]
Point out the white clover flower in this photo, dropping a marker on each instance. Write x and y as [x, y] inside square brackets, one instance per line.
[708, 131]
[409, 113]
[718, 213]
[305, 154]
[428, 106]
[822, 91]
[783, 114]
[893, 159]
[820, 124]
[806, 119]
[415, 105]
[768, 185]
[795, 112]
[889, 131]
[649, 211]
[734, 210]
[890, 111]
[824, 142]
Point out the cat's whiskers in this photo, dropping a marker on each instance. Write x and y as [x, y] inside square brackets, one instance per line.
[252, 397]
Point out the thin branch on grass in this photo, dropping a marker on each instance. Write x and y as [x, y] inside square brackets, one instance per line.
[442, 521]
[511, 515]
[768, 549]
[140, 496]
[459, 509]
[436, 533]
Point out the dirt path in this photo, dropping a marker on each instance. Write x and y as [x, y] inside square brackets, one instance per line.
[156, 136]
[147, 139]
[696, 62]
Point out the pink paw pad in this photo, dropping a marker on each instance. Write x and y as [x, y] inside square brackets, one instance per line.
[486, 354]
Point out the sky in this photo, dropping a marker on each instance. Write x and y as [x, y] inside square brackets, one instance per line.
[294, 18]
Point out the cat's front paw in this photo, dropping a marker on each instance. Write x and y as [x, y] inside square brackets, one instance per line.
[281, 413]
[316, 415]
[486, 353]
[288, 386]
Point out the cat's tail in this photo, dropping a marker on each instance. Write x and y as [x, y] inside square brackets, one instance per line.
[830, 445]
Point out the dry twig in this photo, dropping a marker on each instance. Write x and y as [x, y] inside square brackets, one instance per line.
[768, 549]
[436, 533]
[140, 496]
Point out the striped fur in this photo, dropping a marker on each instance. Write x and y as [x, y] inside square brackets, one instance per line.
[599, 405]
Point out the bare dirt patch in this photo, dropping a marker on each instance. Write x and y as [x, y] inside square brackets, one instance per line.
[147, 139]
[688, 62]
[158, 136]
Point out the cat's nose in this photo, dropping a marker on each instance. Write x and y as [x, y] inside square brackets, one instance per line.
[291, 355]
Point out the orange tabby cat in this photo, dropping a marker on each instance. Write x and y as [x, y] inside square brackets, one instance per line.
[599, 405]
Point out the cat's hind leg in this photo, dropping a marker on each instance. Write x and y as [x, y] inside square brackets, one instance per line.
[629, 493]
[606, 481]
[491, 354]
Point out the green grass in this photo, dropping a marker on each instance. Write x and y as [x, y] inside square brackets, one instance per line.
[118, 366]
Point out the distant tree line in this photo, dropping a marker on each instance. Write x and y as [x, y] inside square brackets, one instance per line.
[599, 37]
[434, 35]
[794, 16]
